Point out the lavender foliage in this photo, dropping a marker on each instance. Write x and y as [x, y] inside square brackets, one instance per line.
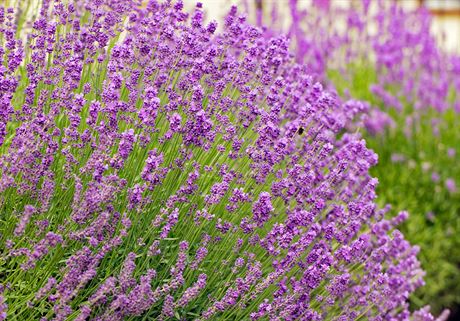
[386, 55]
[155, 167]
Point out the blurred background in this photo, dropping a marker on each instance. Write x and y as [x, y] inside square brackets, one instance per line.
[446, 14]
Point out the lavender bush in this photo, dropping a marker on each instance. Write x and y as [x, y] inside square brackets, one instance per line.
[155, 168]
[386, 57]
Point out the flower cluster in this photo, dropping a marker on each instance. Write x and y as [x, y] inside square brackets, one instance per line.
[395, 41]
[387, 56]
[153, 167]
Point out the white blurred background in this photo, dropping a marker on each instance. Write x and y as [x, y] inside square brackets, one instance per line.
[446, 14]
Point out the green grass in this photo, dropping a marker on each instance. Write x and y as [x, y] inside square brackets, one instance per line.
[407, 185]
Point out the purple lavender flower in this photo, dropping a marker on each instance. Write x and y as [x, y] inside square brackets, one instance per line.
[185, 171]
[451, 186]
[29, 210]
[3, 306]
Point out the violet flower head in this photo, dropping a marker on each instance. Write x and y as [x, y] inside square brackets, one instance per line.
[3, 306]
[451, 186]
[183, 171]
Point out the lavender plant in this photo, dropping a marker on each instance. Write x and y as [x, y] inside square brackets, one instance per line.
[386, 57]
[154, 168]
